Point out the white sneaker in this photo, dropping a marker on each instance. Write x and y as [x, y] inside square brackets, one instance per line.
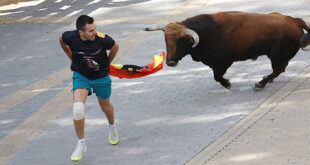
[113, 134]
[78, 152]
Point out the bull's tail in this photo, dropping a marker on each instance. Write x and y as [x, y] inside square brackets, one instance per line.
[305, 39]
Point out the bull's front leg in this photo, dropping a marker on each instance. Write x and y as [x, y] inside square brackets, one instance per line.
[218, 76]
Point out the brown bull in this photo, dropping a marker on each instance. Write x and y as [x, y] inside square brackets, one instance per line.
[219, 39]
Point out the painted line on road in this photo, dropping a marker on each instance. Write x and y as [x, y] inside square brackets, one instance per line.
[249, 121]
[10, 2]
[34, 89]
[41, 119]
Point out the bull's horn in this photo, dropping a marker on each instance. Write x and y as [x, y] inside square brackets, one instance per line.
[194, 35]
[154, 28]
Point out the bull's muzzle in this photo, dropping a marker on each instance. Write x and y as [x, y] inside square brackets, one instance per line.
[171, 63]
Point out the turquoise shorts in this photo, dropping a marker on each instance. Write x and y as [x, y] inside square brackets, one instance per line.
[100, 86]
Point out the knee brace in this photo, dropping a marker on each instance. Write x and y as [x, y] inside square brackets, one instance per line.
[78, 110]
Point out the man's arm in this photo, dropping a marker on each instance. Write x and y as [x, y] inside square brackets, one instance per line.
[66, 48]
[113, 52]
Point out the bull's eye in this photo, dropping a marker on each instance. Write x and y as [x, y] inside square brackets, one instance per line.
[182, 42]
[189, 41]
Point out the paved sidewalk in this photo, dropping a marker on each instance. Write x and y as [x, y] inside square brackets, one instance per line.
[276, 133]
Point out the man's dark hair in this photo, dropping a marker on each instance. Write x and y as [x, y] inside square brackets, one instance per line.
[82, 21]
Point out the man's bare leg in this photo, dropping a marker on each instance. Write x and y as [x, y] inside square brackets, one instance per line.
[108, 109]
[80, 95]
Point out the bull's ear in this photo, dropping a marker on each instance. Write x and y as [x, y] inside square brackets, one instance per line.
[152, 29]
[156, 27]
[193, 35]
[190, 40]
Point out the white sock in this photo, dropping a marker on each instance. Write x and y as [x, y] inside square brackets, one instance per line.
[81, 141]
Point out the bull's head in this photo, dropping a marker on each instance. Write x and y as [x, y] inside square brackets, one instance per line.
[179, 41]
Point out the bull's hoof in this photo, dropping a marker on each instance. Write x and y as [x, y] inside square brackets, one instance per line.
[269, 81]
[258, 87]
[254, 59]
[226, 84]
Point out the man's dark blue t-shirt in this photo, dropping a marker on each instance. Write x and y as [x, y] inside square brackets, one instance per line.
[89, 58]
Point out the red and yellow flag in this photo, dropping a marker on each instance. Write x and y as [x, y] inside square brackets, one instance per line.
[134, 71]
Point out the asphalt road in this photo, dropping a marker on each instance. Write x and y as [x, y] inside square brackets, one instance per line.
[165, 118]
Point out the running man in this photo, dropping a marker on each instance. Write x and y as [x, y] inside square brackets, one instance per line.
[87, 50]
